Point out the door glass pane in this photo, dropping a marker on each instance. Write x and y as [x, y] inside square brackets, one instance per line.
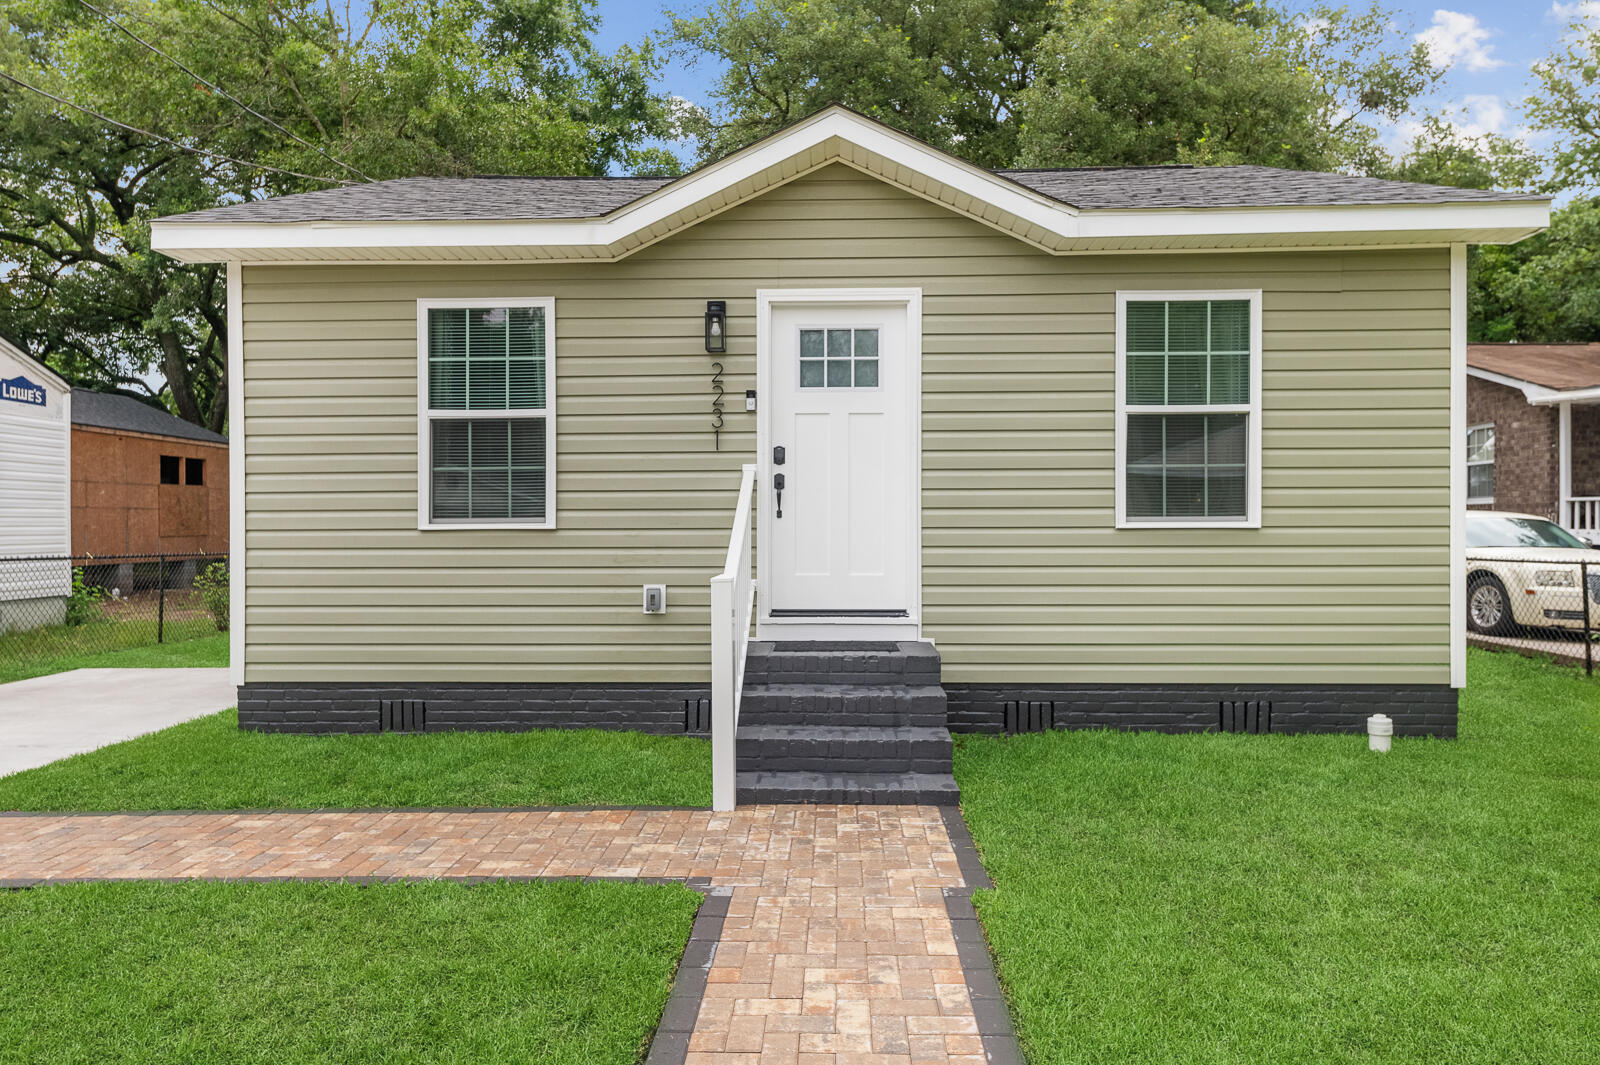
[811, 375]
[866, 343]
[838, 373]
[838, 343]
[811, 343]
[867, 373]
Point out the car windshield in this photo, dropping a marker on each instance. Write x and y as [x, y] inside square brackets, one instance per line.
[1497, 530]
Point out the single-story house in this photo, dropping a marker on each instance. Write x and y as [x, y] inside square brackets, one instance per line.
[35, 511]
[1154, 447]
[1533, 431]
[145, 482]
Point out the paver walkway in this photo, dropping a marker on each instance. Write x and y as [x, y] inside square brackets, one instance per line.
[837, 947]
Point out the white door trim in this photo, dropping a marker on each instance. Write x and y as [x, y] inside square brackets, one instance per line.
[844, 628]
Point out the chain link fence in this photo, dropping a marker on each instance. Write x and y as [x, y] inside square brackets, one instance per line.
[1532, 604]
[63, 607]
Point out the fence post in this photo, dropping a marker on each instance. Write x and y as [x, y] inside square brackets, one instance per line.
[161, 598]
[1588, 636]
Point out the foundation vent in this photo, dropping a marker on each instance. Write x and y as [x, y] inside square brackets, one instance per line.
[402, 715]
[1244, 715]
[697, 715]
[1027, 716]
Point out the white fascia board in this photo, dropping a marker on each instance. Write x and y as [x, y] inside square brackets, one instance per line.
[1576, 395]
[1530, 391]
[1441, 222]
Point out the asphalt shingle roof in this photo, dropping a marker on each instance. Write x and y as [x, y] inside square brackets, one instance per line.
[107, 410]
[446, 199]
[1235, 186]
[1559, 366]
[439, 199]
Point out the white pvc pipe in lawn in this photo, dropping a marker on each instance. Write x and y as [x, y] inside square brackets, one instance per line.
[1380, 727]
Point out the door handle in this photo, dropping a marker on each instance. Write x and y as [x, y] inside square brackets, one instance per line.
[777, 484]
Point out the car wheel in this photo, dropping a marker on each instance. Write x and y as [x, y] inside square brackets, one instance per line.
[1488, 607]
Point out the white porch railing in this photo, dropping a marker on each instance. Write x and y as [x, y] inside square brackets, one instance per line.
[733, 599]
[1583, 514]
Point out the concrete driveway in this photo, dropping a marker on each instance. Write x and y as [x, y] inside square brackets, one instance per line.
[46, 718]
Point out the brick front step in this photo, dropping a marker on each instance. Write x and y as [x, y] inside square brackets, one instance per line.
[843, 749]
[861, 723]
[878, 789]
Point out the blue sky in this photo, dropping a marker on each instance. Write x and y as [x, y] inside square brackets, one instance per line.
[1488, 48]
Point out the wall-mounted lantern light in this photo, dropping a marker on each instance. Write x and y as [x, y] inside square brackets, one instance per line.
[716, 326]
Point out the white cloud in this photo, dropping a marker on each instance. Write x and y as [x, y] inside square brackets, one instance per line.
[1577, 11]
[1456, 36]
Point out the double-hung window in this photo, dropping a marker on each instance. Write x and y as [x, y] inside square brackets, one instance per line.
[1188, 435]
[1480, 463]
[486, 413]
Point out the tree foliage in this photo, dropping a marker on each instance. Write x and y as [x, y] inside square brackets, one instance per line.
[1545, 289]
[1066, 82]
[947, 72]
[1140, 82]
[401, 87]
[1568, 106]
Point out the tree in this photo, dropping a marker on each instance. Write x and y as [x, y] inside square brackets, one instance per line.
[1096, 82]
[947, 72]
[1439, 154]
[1569, 106]
[1142, 82]
[1545, 289]
[399, 88]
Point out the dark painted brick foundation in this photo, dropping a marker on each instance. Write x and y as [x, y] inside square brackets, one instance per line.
[1423, 710]
[1428, 710]
[657, 708]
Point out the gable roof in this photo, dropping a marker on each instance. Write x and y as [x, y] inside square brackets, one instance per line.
[1060, 211]
[107, 410]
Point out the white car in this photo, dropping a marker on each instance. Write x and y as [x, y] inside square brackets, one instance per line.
[1523, 571]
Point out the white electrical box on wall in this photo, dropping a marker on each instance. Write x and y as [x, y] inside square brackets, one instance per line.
[655, 599]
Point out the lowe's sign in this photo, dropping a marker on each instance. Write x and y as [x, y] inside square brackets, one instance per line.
[22, 390]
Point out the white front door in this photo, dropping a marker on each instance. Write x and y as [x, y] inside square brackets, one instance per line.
[839, 536]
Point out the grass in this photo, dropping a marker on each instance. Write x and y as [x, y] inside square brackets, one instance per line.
[282, 974]
[209, 764]
[1287, 899]
[202, 651]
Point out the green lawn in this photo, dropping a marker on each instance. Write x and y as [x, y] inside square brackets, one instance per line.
[209, 764]
[1279, 899]
[281, 974]
[60, 656]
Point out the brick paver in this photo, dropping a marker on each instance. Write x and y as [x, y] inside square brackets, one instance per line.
[837, 948]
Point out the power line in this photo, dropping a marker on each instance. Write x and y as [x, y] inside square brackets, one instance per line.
[168, 140]
[224, 93]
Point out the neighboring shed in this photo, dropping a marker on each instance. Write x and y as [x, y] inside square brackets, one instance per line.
[145, 482]
[35, 408]
[1533, 431]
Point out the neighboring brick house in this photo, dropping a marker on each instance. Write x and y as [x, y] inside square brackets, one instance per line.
[1533, 431]
[145, 482]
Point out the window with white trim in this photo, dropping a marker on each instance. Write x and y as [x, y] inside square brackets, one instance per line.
[1188, 409]
[486, 416]
[1480, 463]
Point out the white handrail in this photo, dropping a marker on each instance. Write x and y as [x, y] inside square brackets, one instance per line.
[733, 599]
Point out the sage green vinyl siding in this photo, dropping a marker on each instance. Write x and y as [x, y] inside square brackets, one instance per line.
[1025, 579]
